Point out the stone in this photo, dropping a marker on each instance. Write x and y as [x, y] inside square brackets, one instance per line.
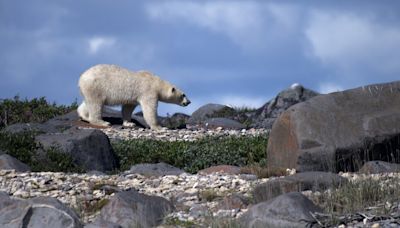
[267, 114]
[220, 122]
[205, 112]
[373, 167]
[338, 131]
[133, 209]
[100, 223]
[89, 148]
[288, 210]
[9, 162]
[225, 169]
[315, 181]
[158, 169]
[233, 201]
[37, 212]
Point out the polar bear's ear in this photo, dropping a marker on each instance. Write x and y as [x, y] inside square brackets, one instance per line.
[173, 90]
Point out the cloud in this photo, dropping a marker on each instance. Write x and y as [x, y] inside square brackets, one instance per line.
[329, 87]
[352, 42]
[97, 43]
[249, 24]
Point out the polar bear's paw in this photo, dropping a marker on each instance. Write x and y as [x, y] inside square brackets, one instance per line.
[128, 124]
[101, 123]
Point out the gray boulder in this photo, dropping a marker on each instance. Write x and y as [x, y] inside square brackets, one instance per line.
[133, 209]
[205, 112]
[37, 212]
[89, 148]
[338, 131]
[315, 181]
[288, 210]
[9, 162]
[267, 114]
[158, 169]
[379, 167]
[99, 223]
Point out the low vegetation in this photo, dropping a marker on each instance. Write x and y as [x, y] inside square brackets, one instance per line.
[19, 110]
[365, 196]
[192, 156]
[23, 147]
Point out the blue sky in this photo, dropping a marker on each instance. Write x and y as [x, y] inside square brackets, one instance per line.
[229, 52]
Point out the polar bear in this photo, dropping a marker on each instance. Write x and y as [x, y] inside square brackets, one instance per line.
[113, 85]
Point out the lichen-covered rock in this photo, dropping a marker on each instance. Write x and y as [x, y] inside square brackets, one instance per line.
[373, 167]
[159, 169]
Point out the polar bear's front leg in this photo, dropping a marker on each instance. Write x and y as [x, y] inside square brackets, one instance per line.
[95, 110]
[149, 108]
[127, 115]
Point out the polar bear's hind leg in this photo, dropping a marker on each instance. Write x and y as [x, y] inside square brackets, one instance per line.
[95, 110]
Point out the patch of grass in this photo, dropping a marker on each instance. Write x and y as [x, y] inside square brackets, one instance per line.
[19, 110]
[175, 222]
[262, 171]
[240, 114]
[377, 197]
[23, 147]
[192, 156]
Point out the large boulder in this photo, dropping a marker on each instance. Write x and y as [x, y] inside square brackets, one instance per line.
[338, 131]
[288, 210]
[267, 114]
[89, 148]
[36, 212]
[133, 209]
[9, 162]
[315, 181]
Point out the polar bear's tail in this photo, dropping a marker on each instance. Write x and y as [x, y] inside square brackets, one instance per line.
[83, 112]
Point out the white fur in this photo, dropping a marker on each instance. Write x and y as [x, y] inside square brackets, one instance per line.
[113, 85]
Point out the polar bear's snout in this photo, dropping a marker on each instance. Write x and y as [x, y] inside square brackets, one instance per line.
[185, 101]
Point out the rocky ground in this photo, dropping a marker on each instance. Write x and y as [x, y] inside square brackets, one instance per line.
[196, 197]
[117, 133]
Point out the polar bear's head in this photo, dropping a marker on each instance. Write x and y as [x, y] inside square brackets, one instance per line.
[176, 96]
[171, 94]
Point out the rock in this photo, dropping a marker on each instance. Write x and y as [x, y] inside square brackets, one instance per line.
[233, 201]
[205, 112]
[338, 131]
[99, 223]
[315, 181]
[89, 148]
[224, 123]
[176, 121]
[9, 162]
[133, 209]
[50, 212]
[25, 127]
[373, 167]
[288, 210]
[159, 169]
[37, 212]
[267, 114]
[225, 169]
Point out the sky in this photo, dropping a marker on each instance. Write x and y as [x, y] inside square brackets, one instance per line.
[238, 53]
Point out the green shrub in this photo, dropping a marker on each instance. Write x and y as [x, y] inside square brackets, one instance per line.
[192, 156]
[23, 147]
[36, 110]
